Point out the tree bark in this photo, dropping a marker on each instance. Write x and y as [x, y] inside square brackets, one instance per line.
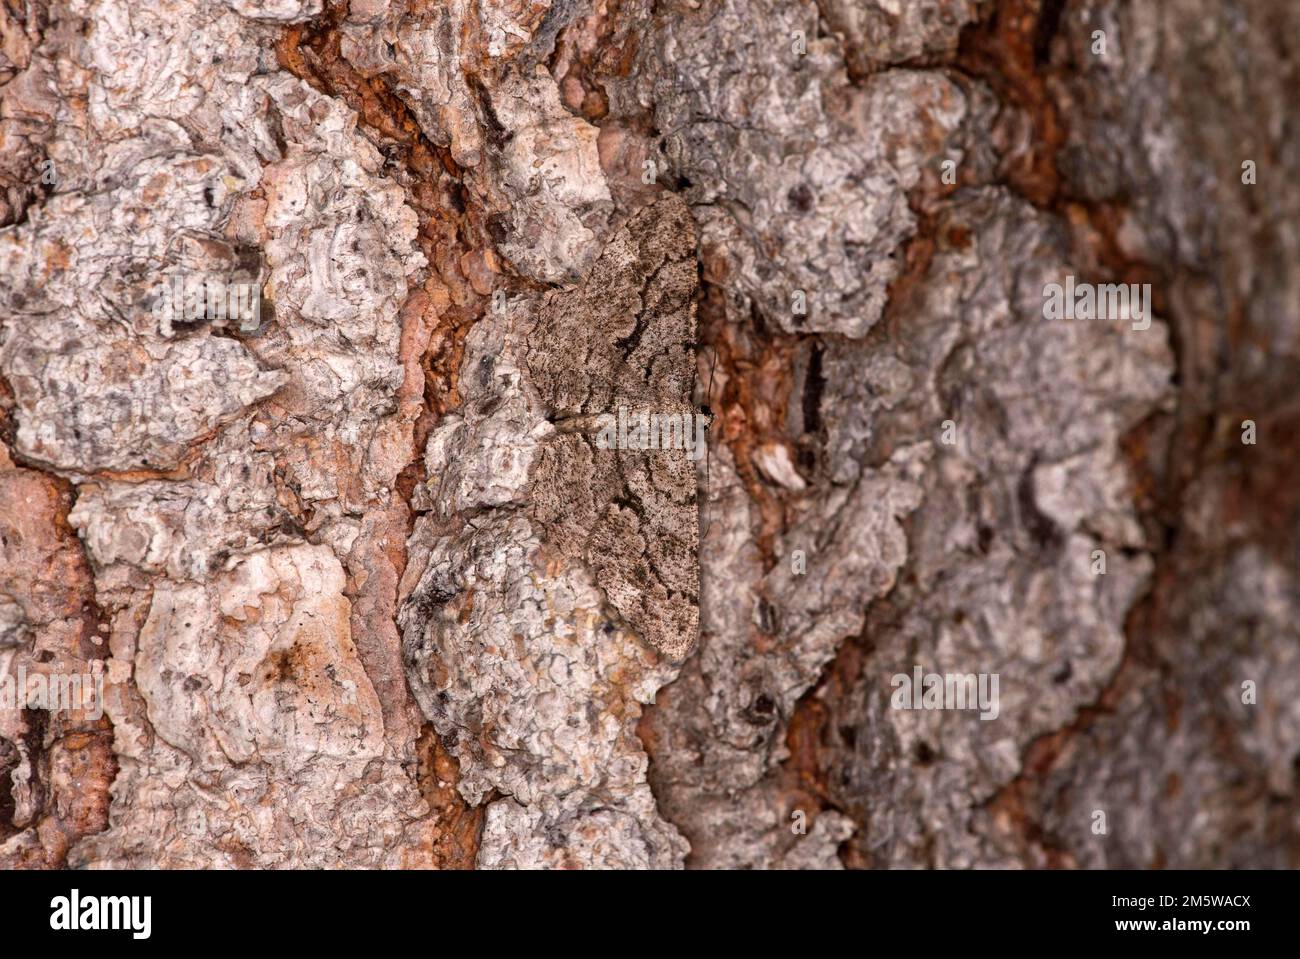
[381, 576]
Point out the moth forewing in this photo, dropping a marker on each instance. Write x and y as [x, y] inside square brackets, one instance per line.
[614, 360]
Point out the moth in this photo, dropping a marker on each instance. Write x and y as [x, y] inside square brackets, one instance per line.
[624, 340]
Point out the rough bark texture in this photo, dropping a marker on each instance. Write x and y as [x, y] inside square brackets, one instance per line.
[370, 593]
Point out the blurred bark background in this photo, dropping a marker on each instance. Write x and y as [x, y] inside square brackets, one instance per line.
[319, 558]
